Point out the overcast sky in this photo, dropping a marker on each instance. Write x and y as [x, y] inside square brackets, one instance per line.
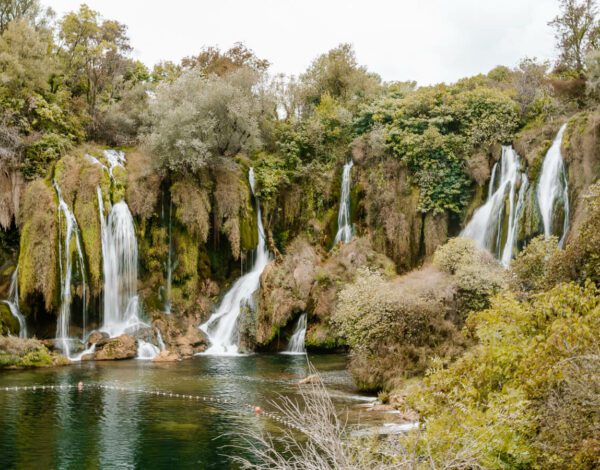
[425, 40]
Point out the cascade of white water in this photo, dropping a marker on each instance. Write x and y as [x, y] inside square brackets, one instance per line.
[296, 344]
[161, 343]
[119, 263]
[146, 351]
[344, 233]
[71, 234]
[553, 190]
[13, 303]
[486, 225]
[221, 327]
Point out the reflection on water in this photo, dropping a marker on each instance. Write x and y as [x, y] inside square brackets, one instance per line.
[99, 428]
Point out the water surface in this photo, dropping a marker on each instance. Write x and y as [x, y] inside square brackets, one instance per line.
[99, 428]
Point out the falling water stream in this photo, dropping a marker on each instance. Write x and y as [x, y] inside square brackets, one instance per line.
[119, 263]
[13, 303]
[221, 327]
[65, 246]
[344, 233]
[553, 190]
[502, 209]
[296, 344]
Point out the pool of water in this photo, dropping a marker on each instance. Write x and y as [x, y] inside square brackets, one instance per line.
[106, 429]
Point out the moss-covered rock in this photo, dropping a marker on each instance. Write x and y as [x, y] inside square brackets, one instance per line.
[16, 353]
[38, 253]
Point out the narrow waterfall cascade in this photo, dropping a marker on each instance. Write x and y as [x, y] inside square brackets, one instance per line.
[221, 327]
[494, 225]
[65, 254]
[344, 233]
[120, 270]
[159, 338]
[296, 344]
[13, 303]
[553, 190]
[114, 158]
[146, 351]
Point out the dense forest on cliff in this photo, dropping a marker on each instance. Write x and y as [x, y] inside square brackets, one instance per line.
[491, 339]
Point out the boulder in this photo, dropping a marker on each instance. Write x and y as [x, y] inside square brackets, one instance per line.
[97, 337]
[166, 356]
[121, 347]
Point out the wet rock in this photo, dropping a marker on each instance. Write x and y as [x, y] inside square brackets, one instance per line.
[167, 356]
[97, 337]
[121, 347]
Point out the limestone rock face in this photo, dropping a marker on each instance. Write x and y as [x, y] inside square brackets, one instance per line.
[121, 347]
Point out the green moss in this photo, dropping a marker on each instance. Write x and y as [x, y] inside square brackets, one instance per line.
[248, 230]
[8, 323]
[39, 357]
[119, 184]
[320, 336]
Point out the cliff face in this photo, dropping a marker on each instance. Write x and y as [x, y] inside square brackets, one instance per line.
[198, 231]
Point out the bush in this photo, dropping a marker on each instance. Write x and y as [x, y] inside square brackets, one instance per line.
[510, 398]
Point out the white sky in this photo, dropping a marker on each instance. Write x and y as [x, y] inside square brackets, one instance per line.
[425, 40]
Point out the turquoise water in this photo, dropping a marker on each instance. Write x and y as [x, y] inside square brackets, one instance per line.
[113, 429]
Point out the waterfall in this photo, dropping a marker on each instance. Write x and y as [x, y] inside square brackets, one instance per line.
[146, 351]
[13, 303]
[161, 343]
[553, 190]
[66, 270]
[119, 263]
[344, 233]
[494, 225]
[221, 327]
[296, 344]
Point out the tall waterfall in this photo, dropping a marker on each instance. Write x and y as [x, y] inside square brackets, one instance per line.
[296, 344]
[221, 327]
[344, 233]
[553, 190]
[119, 263]
[13, 303]
[494, 224]
[65, 254]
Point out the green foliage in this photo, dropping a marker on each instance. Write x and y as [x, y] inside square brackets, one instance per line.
[338, 75]
[577, 31]
[197, 119]
[494, 402]
[435, 130]
[18, 353]
[41, 154]
[534, 269]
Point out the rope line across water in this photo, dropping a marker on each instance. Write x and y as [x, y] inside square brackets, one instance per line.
[159, 393]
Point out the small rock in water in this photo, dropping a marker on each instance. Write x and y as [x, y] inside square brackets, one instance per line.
[121, 347]
[166, 356]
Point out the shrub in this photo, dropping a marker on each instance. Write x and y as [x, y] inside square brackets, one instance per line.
[512, 396]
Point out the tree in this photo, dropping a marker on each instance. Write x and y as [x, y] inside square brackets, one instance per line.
[338, 74]
[577, 32]
[11, 10]
[212, 61]
[94, 52]
[25, 64]
[198, 118]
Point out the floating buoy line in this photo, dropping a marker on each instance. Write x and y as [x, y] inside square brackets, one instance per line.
[81, 387]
